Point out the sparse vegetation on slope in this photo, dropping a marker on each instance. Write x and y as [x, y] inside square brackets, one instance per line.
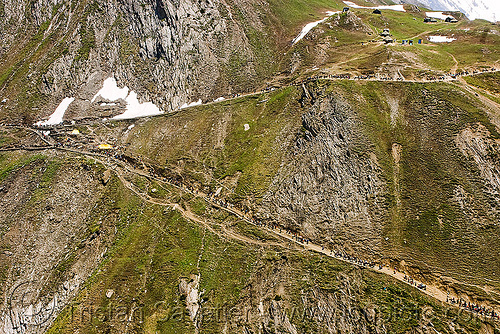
[396, 167]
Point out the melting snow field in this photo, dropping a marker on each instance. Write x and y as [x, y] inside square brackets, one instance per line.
[398, 8]
[57, 116]
[441, 39]
[193, 104]
[437, 15]
[111, 92]
[136, 109]
[310, 27]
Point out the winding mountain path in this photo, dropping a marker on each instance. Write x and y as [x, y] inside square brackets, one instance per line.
[121, 168]
[430, 290]
[400, 78]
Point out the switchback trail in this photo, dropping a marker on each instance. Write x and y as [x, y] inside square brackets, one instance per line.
[121, 167]
[430, 290]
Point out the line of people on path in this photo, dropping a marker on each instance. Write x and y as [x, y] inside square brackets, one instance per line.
[138, 163]
[443, 77]
[369, 264]
[214, 198]
[472, 307]
[413, 282]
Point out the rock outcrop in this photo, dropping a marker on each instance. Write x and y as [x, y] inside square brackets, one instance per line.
[329, 187]
[51, 250]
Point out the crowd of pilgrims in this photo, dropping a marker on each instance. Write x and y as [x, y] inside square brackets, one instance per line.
[481, 310]
[472, 307]
[214, 199]
[442, 77]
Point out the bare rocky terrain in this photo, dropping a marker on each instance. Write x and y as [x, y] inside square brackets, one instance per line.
[327, 185]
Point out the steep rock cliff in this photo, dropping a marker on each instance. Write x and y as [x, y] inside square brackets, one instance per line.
[169, 52]
[329, 187]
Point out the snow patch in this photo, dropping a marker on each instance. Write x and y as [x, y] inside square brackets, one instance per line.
[4, 100]
[438, 15]
[220, 99]
[131, 127]
[136, 109]
[247, 127]
[310, 26]
[398, 8]
[111, 92]
[193, 104]
[57, 116]
[441, 39]
[477, 9]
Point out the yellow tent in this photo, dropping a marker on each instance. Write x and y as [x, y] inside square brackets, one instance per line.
[75, 132]
[105, 147]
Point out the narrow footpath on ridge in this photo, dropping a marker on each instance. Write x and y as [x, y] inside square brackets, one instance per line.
[331, 77]
[450, 78]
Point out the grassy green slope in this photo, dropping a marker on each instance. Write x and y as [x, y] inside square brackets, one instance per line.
[297, 12]
[357, 47]
[156, 248]
[427, 220]
[488, 81]
[212, 140]
[429, 226]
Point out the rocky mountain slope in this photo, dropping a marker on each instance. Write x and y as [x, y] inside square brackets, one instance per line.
[155, 269]
[169, 52]
[293, 198]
